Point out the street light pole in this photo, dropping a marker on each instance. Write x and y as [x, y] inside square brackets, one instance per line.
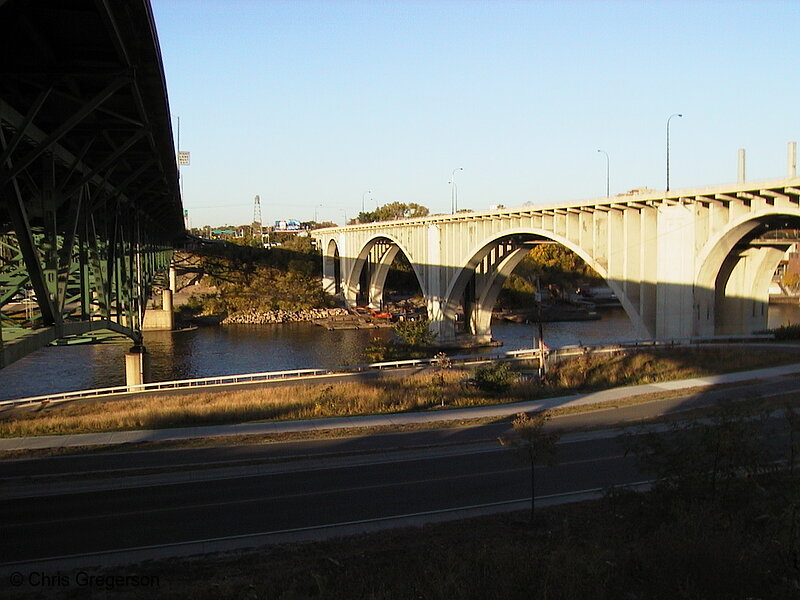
[454, 192]
[362, 199]
[668, 120]
[608, 170]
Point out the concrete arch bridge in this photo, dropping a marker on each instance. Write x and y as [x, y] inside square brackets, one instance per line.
[683, 263]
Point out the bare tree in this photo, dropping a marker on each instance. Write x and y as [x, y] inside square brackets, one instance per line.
[531, 444]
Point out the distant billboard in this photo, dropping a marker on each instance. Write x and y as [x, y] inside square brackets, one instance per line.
[287, 225]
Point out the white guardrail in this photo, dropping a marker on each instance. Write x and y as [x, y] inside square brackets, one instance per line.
[267, 376]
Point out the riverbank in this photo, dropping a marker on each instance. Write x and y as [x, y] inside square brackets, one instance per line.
[268, 317]
[428, 391]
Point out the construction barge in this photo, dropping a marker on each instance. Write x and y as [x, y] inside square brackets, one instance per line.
[362, 317]
[351, 322]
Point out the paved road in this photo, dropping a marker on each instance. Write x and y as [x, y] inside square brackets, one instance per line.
[335, 492]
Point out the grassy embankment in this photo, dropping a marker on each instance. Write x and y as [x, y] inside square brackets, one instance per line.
[427, 391]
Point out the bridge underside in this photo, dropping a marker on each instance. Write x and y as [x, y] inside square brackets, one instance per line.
[89, 196]
[690, 263]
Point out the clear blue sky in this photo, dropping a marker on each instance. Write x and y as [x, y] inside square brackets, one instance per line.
[309, 104]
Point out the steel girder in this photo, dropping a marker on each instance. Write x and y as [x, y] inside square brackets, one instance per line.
[89, 197]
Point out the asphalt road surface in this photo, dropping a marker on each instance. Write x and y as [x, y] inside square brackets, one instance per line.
[340, 491]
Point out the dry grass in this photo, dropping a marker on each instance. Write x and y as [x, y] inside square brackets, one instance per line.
[426, 391]
[422, 392]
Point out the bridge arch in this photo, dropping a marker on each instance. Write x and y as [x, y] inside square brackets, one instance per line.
[731, 288]
[491, 262]
[367, 275]
[331, 268]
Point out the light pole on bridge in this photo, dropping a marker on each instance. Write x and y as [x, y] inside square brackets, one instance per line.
[608, 171]
[454, 191]
[668, 120]
[362, 199]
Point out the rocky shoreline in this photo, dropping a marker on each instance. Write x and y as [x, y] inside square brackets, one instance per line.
[263, 317]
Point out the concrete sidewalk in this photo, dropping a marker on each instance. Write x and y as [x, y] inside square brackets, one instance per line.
[503, 410]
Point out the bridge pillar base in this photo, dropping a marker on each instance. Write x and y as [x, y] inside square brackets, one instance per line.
[137, 366]
[163, 319]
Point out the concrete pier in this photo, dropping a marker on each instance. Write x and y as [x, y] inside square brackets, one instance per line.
[137, 366]
[160, 319]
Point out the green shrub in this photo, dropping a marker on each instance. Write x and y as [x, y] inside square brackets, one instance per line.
[495, 377]
[414, 333]
[787, 332]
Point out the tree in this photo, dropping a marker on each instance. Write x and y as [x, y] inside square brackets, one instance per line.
[414, 333]
[531, 444]
[791, 281]
[441, 362]
[547, 264]
[322, 224]
[392, 212]
[705, 459]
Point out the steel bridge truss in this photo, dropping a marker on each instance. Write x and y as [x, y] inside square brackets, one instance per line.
[89, 198]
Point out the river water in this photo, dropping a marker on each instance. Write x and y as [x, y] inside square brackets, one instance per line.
[234, 349]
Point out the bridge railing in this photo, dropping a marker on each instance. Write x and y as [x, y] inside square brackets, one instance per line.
[552, 355]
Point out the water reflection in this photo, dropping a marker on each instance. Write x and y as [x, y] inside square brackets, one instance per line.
[230, 350]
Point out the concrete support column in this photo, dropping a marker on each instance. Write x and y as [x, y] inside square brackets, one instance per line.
[328, 274]
[648, 249]
[162, 319]
[378, 280]
[137, 366]
[600, 238]
[173, 280]
[675, 272]
[349, 280]
[615, 254]
[166, 307]
[166, 300]
[632, 257]
[586, 230]
[442, 327]
[486, 294]
[436, 284]
[743, 291]
[741, 171]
